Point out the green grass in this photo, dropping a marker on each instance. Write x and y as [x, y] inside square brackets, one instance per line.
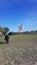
[21, 50]
[23, 38]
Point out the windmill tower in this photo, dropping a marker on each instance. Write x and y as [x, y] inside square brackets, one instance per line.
[20, 28]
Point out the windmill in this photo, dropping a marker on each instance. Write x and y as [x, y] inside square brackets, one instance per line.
[20, 28]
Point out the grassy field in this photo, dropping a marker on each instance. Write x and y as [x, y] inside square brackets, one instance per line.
[21, 50]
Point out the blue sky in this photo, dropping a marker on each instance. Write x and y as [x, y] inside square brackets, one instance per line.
[16, 12]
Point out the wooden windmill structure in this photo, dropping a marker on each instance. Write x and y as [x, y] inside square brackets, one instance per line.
[20, 28]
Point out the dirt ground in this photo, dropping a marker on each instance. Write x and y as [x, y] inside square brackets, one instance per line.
[18, 53]
[25, 54]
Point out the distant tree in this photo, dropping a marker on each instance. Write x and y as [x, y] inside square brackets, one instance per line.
[6, 30]
[10, 33]
[35, 30]
[13, 33]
